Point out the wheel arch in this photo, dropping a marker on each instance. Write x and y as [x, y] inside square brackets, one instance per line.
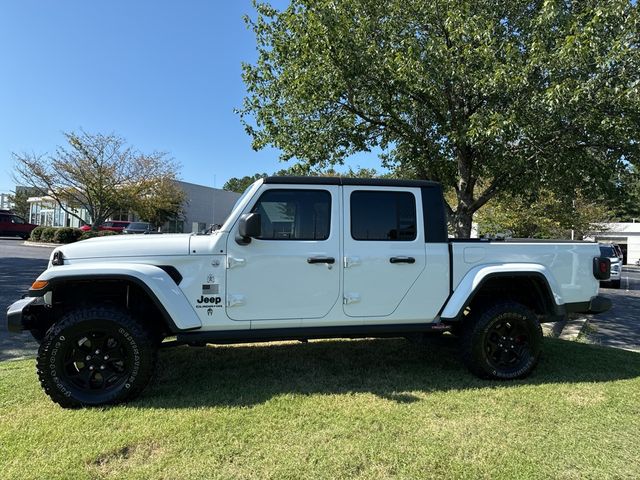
[532, 286]
[153, 286]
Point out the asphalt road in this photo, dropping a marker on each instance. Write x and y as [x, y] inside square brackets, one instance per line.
[620, 326]
[20, 265]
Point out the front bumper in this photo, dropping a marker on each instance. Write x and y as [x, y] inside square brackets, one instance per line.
[18, 313]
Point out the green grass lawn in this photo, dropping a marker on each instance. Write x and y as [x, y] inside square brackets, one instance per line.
[336, 409]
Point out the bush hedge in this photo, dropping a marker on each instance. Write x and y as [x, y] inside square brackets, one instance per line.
[67, 235]
[55, 234]
[47, 234]
[36, 233]
[93, 234]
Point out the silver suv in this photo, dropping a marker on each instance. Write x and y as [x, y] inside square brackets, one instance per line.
[608, 251]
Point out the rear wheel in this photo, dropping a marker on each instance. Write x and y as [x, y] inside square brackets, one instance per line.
[502, 342]
[95, 356]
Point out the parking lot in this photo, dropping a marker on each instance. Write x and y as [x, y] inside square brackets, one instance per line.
[21, 264]
[620, 326]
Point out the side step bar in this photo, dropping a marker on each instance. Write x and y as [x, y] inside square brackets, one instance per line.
[305, 333]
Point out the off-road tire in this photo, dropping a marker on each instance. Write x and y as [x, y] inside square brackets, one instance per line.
[38, 334]
[127, 359]
[501, 342]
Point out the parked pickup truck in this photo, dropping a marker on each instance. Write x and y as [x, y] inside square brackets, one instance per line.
[300, 258]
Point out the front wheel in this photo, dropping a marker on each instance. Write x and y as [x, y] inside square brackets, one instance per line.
[38, 334]
[502, 342]
[615, 283]
[95, 356]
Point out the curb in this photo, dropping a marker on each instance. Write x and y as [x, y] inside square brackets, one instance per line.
[568, 330]
[572, 329]
[36, 244]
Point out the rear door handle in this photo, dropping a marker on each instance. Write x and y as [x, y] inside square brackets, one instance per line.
[402, 260]
[329, 260]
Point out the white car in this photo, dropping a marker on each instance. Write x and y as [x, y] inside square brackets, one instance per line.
[300, 258]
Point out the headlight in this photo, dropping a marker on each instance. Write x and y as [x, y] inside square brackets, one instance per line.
[615, 268]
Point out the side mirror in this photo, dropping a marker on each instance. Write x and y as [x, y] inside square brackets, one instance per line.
[249, 226]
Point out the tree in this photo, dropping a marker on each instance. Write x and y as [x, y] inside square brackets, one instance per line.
[163, 201]
[542, 215]
[503, 94]
[240, 184]
[97, 172]
[19, 199]
[625, 204]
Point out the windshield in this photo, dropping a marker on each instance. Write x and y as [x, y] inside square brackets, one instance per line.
[138, 225]
[248, 192]
[244, 194]
[607, 251]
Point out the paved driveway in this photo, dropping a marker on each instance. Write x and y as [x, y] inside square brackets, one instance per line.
[620, 327]
[19, 266]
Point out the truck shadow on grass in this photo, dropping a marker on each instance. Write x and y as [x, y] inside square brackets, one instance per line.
[389, 368]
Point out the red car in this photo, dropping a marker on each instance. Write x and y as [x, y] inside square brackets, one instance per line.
[112, 225]
[12, 225]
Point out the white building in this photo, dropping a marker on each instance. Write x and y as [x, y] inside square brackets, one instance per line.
[203, 207]
[627, 235]
[45, 211]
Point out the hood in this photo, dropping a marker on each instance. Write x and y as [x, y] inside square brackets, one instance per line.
[128, 246]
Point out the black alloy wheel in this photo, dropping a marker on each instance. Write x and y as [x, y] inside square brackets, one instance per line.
[99, 361]
[502, 342]
[95, 356]
[507, 344]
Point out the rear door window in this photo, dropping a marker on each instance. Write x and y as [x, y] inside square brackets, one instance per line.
[383, 216]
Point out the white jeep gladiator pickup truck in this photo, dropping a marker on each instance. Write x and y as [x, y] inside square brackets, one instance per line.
[299, 258]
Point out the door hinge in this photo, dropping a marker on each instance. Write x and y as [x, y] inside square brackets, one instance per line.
[351, 298]
[350, 261]
[234, 300]
[235, 262]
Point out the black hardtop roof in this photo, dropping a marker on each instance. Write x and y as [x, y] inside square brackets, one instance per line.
[377, 182]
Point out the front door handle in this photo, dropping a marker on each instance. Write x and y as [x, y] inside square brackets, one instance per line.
[402, 260]
[329, 260]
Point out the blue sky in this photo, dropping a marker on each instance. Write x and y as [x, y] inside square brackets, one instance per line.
[165, 75]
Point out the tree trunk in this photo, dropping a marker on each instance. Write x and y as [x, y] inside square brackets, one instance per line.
[462, 223]
[465, 190]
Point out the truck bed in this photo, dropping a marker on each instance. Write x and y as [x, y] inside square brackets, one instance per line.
[567, 263]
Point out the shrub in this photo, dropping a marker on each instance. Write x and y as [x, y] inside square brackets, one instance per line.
[47, 234]
[92, 234]
[88, 234]
[36, 233]
[67, 235]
